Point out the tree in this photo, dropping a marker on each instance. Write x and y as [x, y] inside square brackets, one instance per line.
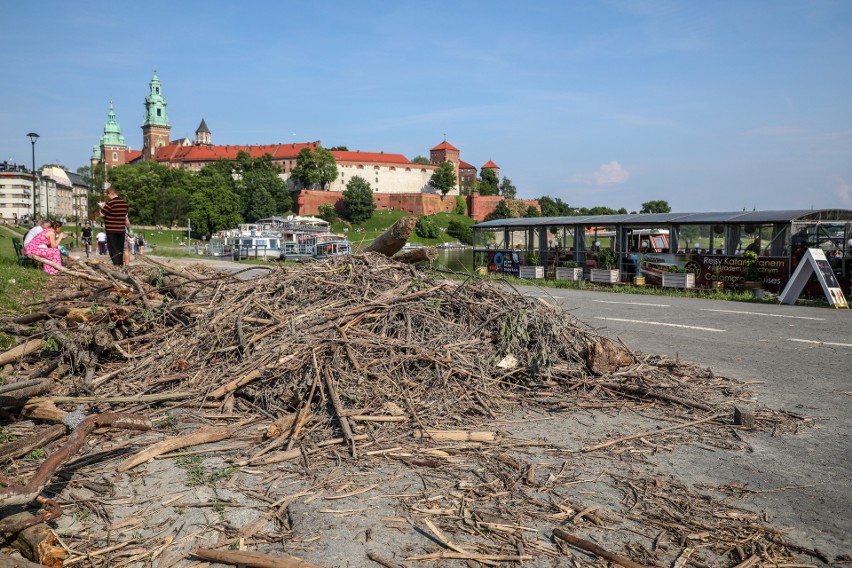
[338, 149]
[314, 168]
[488, 182]
[420, 160]
[502, 211]
[444, 178]
[213, 205]
[95, 178]
[532, 211]
[461, 231]
[426, 228]
[327, 212]
[551, 207]
[358, 204]
[508, 190]
[656, 206]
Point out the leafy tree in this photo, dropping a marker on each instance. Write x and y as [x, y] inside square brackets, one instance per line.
[327, 212]
[172, 207]
[502, 211]
[508, 190]
[461, 231]
[444, 178]
[656, 206]
[338, 149]
[95, 179]
[426, 228]
[214, 206]
[358, 204]
[488, 182]
[314, 168]
[420, 160]
[532, 211]
[601, 210]
[461, 206]
[551, 207]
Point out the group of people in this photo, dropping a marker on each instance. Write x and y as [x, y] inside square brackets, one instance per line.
[45, 239]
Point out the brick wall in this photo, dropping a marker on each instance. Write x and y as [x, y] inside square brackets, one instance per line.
[308, 202]
[480, 206]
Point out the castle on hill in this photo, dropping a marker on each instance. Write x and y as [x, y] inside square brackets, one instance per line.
[391, 175]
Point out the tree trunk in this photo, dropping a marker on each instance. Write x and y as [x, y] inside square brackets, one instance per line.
[418, 255]
[394, 238]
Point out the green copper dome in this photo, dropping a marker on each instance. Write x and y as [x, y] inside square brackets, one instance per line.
[96, 152]
[112, 131]
[155, 104]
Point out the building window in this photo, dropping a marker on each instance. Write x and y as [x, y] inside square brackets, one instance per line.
[115, 156]
[158, 112]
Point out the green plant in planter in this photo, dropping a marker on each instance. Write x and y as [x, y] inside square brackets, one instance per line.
[532, 259]
[606, 259]
[752, 274]
[569, 264]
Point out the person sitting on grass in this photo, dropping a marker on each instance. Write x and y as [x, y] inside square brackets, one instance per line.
[46, 245]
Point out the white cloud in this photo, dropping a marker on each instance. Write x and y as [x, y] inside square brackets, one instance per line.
[844, 192]
[611, 174]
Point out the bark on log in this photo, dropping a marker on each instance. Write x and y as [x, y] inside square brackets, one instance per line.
[20, 350]
[7, 561]
[421, 254]
[394, 238]
[595, 549]
[202, 436]
[254, 559]
[18, 448]
[37, 543]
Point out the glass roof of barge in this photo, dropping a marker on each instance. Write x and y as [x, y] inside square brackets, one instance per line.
[645, 219]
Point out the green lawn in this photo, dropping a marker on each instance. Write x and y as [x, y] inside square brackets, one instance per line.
[19, 285]
[381, 220]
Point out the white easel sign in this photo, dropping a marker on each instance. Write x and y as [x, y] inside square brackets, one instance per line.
[814, 262]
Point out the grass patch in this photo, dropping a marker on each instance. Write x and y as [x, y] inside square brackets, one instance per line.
[19, 285]
[197, 474]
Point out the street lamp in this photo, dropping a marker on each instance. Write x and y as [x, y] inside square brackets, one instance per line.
[33, 137]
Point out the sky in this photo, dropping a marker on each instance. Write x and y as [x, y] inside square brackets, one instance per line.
[711, 106]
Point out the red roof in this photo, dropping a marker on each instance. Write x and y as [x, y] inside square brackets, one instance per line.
[490, 165]
[371, 157]
[445, 146]
[178, 153]
[131, 155]
[465, 166]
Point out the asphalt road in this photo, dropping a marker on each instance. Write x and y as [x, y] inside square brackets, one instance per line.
[801, 360]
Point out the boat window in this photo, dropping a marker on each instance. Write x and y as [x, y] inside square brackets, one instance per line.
[273, 243]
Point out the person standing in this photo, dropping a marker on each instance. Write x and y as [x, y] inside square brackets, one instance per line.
[101, 242]
[116, 221]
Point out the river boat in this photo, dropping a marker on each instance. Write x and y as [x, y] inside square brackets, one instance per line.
[279, 238]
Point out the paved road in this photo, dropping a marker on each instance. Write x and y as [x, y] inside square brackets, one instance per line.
[803, 356]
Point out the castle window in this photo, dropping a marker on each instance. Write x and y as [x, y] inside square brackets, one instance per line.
[115, 156]
[158, 112]
[158, 90]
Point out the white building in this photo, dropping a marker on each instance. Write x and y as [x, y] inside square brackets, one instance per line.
[16, 184]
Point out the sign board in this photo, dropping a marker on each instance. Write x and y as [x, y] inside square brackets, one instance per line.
[814, 262]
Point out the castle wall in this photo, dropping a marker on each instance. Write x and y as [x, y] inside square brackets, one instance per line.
[308, 202]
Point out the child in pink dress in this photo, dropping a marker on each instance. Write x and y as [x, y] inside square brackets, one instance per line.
[46, 245]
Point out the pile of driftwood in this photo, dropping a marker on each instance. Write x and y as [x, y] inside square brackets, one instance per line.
[360, 358]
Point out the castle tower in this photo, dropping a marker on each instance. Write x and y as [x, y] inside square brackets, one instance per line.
[446, 152]
[202, 134]
[112, 151]
[155, 126]
[490, 165]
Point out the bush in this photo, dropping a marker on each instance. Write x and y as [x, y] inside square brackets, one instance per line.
[461, 231]
[461, 206]
[327, 212]
[532, 259]
[426, 228]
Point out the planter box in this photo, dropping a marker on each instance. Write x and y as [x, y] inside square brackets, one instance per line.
[531, 272]
[678, 280]
[604, 276]
[569, 273]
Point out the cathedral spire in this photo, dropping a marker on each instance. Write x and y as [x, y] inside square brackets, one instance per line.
[155, 126]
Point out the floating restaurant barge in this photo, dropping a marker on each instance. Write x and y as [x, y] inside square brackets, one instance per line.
[280, 238]
[711, 246]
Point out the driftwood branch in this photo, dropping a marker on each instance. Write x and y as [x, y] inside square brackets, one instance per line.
[595, 549]
[253, 559]
[394, 238]
[422, 254]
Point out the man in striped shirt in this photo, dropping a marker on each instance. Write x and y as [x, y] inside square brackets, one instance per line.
[116, 222]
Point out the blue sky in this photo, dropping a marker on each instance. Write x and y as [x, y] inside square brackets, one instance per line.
[709, 105]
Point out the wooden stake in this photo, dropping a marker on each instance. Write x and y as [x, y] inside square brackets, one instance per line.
[595, 549]
[253, 559]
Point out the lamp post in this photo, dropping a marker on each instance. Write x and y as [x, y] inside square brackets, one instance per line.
[33, 137]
